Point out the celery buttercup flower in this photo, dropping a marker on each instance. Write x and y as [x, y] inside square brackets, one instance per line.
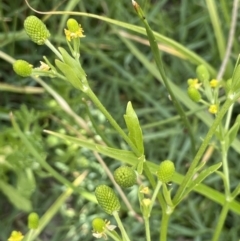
[100, 227]
[194, 83]
[22, 68]
[16, 236]
[213, 109]
[213, 83]
[74, 30]
[36, 30]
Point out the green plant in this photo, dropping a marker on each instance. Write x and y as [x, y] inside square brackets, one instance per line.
[69, 68]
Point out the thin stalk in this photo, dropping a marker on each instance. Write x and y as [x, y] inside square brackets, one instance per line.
[155, 193]
[147, 229]
[49, 44]
[164, 226]
[159, 64]
[216, 26]
[112, 121]
[220, 221]
[120, 225]
[230, 39]
[202, 148]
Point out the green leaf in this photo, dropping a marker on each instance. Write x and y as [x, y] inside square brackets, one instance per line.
[135, 131]
[236, 79]
[232, 133]
[75, 65]
[70, 74]
[15, 197]
[205, 173]
[26, 182]
[236, 192]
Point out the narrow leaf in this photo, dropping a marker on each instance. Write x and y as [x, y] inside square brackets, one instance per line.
[15, 197]
[232, 133]
[205, 173]
[135, 131]
[69, 74]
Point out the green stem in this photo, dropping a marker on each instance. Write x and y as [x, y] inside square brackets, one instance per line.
[48, 43]
[152, 181]
[216, 27]
[225, 168]
[120, 225]
[159, 64]
[156, 191]
[112, 121]
[110, 234]
[220, 221]
[202, 148]
[164, 226]
[147, 229]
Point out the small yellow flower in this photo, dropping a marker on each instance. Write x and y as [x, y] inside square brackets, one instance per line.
[213, 83]
[16, 236]
[43, 66]
[194, 83]
[145, 190]
[74, 30]
[213, 109]
[146, 202]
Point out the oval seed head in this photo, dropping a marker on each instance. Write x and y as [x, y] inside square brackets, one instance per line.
[22, 68]
[194, 94]
[72, 25]
[165, 171]
[202, 73]
[33, 221]
[125, 176]
[36, 30]
[98, 225]
[107, 199]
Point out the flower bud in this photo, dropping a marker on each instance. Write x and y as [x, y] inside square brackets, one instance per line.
[36, 30]
[22, 68]
[107, 199]
[33, 221]
[194, 94]
[165, 171]
[125, 176]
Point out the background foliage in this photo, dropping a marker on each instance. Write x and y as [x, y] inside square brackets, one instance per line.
[117, 76]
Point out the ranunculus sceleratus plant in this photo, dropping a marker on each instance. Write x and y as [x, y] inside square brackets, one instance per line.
[202, 88]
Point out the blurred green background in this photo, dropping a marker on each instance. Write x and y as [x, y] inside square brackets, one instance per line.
[108, 56]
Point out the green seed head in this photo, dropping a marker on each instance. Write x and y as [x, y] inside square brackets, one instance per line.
[33, 221]
[22, 68]
[202, 73]
[72, 25]
[125, 176]
[98, 225]
[36, 30]
[107, 199]
[194, 94]
[165, 171]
